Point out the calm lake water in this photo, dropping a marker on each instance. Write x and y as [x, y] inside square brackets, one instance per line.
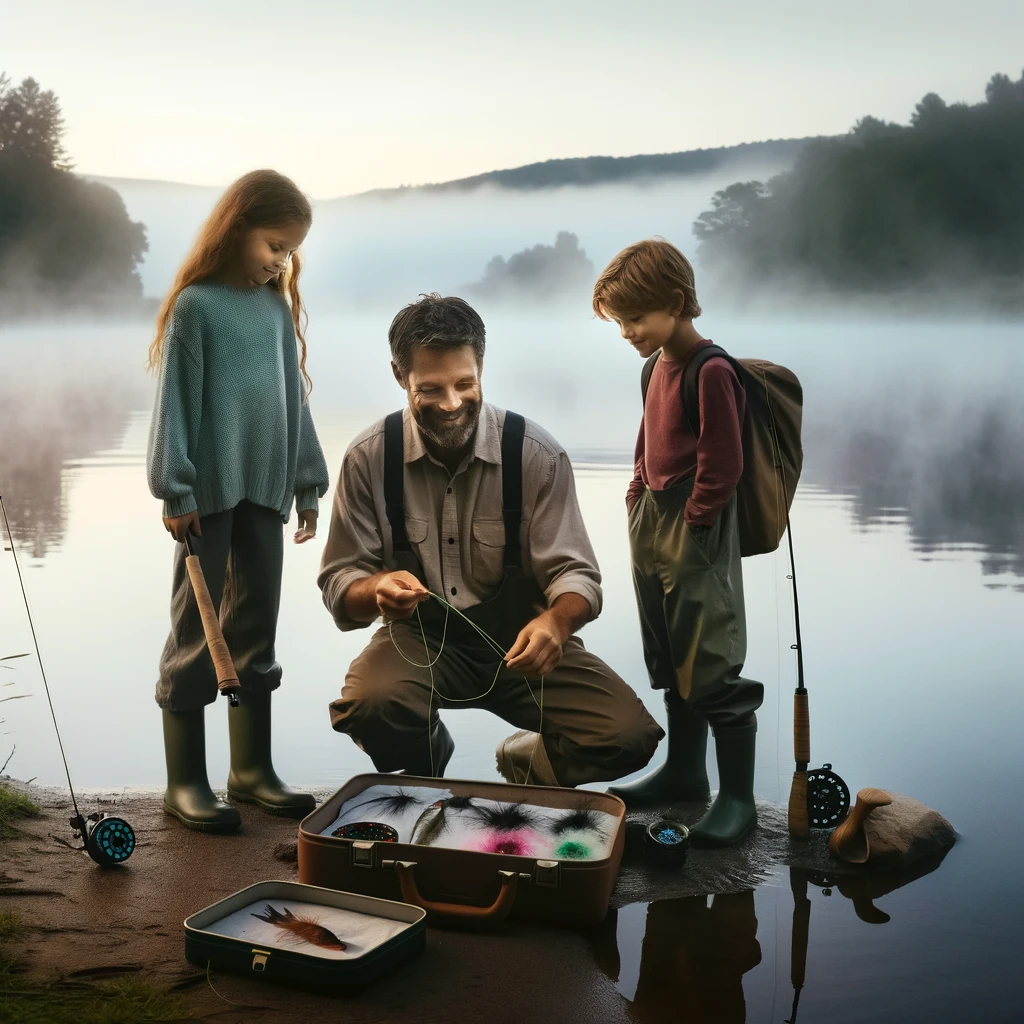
[909, 529]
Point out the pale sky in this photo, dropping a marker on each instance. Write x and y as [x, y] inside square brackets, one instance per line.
[350, 96]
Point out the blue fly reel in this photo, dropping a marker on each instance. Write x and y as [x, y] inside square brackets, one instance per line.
[108, 840]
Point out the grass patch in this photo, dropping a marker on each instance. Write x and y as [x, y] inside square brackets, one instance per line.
[23, 1000]
[11, 926]
[14, 806]
[126, 1000]
[121, 1001]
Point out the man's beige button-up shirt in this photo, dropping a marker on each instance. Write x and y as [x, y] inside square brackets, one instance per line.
[454, 521]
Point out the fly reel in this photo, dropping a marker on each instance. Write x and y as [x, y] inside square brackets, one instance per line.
[107, 839]
[828, 798]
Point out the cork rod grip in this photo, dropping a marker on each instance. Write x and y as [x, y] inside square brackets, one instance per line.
[799, 827]
[801, 729]
[227, 680]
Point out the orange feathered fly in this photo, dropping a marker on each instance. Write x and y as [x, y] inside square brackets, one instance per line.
[305, 928]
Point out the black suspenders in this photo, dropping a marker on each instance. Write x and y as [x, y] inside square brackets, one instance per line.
[512, 485]
[511, 482]
[394, 480]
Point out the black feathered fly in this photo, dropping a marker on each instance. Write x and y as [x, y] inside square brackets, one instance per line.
[390, 803]
[580, 818]
[505, 817]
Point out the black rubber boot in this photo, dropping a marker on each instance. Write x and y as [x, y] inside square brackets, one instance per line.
[252, 779]
[429, 762]
[732, 814]
[188, 796]
[684, 776]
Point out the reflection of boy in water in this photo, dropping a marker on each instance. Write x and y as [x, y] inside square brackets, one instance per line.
[692, 960]
[694, 957]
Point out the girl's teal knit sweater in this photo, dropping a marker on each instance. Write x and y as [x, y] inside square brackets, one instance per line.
[230, 423]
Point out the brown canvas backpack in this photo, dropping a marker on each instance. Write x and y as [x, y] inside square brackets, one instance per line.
[772, 452]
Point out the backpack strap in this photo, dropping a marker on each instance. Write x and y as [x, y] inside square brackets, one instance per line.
[394, 480]
[512, 436]
[645, 374]
[691, 376]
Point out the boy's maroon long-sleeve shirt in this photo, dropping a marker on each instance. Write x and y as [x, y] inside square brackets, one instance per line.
[667, 451]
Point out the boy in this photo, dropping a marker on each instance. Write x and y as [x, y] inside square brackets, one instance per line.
[685, 545]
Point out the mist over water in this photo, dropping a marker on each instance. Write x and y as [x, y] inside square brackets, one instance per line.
[909, 526]
[385, 248]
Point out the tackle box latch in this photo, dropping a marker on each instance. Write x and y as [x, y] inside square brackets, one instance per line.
[260, 958]
[547, 873]
[362, 855]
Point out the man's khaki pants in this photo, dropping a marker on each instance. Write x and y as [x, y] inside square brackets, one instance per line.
[593, 726]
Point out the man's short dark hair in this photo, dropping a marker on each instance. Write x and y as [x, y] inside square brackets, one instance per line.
[435, 322]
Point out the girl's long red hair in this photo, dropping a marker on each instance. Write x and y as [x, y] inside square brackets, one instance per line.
[259, 199]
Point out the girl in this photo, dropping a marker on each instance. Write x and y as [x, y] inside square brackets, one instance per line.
[231, 446]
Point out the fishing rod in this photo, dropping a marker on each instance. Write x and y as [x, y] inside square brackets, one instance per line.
[227, 677]
[798, 941]
[819, 798]
[106, 838]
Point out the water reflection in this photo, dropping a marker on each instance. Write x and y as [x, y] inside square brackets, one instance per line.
[43, 426]
[862, 889]
[694, 954]
[955, 478]
[696, 950]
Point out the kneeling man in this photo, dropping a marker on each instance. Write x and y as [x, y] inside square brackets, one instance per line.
[456, 498]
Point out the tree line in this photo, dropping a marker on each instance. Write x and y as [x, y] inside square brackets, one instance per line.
[66, 244]
[936, 204]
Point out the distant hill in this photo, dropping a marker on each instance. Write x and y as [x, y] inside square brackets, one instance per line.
[931, 207]
[605, 170]
[584, 170]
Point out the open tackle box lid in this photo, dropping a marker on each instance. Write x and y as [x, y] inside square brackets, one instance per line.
[296, 946]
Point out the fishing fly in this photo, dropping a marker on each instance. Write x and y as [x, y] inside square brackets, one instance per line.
[580, 818]
[434, 822]
[390, 803]
[305, 929]
[106, 838]
[506, 817]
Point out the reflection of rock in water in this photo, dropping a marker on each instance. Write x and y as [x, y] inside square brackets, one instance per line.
[700, 930]
[43, 424]
[956, 475]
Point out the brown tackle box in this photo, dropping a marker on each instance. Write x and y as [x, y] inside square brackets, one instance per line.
[465, 886]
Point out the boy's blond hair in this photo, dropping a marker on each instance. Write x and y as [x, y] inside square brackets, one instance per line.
[645, 277]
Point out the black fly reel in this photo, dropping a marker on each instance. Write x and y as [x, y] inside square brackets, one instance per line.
[822, 880]
[107, 839]
[828, 798]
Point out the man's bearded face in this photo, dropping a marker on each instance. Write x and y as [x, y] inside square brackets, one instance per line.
[445, 395]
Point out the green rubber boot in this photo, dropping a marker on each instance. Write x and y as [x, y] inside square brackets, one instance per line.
[684, 776]
[188, 796]
[733, 814]
[252, 779]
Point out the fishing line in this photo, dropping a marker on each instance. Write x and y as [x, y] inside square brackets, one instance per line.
[825, 797]
[778, 623]
[107, 839]
[429, 665]
[39, 656]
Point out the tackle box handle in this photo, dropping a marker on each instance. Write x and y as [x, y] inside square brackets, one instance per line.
[458, 913]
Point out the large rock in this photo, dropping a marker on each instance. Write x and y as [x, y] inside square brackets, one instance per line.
[906, 831]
